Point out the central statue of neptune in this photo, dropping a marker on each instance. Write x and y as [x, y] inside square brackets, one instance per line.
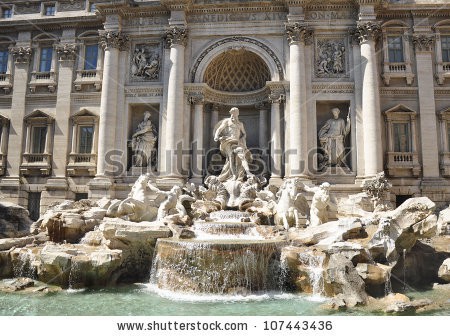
[231, 134]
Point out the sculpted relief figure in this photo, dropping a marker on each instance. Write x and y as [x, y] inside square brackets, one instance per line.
[290, 204]
[231, 134]
[331, 138]
[145, 63]
[143, 142]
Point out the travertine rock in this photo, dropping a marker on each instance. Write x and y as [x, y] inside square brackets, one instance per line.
[444, 270]
[14, 220]
[328, 233]
[373, 274]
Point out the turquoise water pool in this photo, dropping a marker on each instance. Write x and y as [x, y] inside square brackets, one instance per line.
[143, 300]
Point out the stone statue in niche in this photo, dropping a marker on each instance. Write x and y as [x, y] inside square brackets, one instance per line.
[143, 142]
[332, 138]
[231, 134]
[330, 58]
[145, 63]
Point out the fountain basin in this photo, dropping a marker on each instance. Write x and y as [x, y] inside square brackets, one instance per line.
[218, 266]
[224, 228]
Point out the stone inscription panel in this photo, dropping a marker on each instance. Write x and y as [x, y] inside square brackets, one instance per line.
[329, 15]
[234, 17]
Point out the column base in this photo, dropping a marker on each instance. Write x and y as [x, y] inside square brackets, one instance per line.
[99, 187]
[276, 181]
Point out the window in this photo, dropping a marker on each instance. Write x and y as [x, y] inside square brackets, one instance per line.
[445, 45]
[3, 61]
[90, 57]
[45, 61]
[86, 139]
[402, 158]
[6, 13]
[39, 134]
[395, 46]
[401, 137]
[49, 10]
[397, 63]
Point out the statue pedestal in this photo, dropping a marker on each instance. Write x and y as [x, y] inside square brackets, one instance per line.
[336, 175]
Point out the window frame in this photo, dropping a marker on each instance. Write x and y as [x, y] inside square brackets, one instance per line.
[395, 69]
[10, 8]
[46, 5]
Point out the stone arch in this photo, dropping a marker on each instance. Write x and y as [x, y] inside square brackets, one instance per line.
[237, 42]
[395, 23]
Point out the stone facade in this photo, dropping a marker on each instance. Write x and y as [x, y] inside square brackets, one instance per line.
[77, 77]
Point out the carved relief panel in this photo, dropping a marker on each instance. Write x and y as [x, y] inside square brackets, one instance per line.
[331, 60]
[145, 62]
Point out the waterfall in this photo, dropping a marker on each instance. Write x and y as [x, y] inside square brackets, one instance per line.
[23, 265]
[388, 284]
[313, 264]
[217, 267]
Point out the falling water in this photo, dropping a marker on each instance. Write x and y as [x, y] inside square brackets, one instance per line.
[388, 284]
[404, 269]
[217, 267]
[314, 266]
[23, 265]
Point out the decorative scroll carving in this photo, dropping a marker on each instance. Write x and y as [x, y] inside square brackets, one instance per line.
[66, 52]
[176, 36]
[21, 54]
[298, 32]
[197, 98]
[113, 39]
[330, 58]
[241, 40]
[366, 31]
[71, 5]
[423, 42]
[145, 62]
[262, 105]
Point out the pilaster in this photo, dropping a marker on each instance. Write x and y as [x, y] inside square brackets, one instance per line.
[423, 45]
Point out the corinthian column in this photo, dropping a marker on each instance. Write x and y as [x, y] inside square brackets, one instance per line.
[113, 42]
[275, 138]
[297, 155]
[367, 33]
[197, 139]
[176, 39]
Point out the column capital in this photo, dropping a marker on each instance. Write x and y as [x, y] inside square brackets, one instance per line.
[197, 98]
[113, 39]
[262, 105]
[366, 31]
[21, 54]
[176, 35]
[423, 42]
[66, 51]
[276, 98]
[297, 32]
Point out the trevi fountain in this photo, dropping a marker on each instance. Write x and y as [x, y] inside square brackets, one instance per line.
[234, 245]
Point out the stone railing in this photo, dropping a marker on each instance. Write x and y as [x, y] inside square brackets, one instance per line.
[82, 164]
[47, 79]
[403, 163]
[88, 77]
[443, 72]
[397, 70]
[6, 82]
[33, 162]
